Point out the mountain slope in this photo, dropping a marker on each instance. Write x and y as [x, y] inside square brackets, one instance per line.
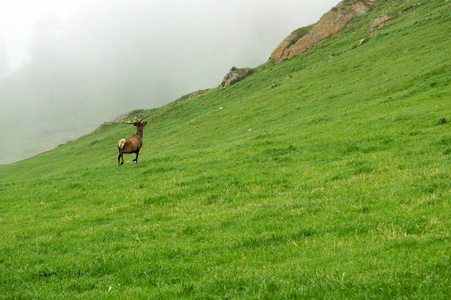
[327, 175]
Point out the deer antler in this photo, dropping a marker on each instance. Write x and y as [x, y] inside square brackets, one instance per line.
[137, 120]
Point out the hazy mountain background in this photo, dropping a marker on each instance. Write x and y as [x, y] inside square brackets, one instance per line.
[87, 62]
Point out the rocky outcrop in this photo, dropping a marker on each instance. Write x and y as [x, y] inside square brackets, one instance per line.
[197, 93]
[304, 38]
[234, 76]
[283, 49]
[378, 23]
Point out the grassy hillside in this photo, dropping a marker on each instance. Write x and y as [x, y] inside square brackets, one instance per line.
[317, 177]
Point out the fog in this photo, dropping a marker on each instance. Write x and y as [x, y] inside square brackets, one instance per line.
[67, 66]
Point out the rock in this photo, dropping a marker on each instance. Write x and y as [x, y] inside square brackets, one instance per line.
[235, 75]
[196, 94]
[378, 23]
[306, 37]
[282, 51]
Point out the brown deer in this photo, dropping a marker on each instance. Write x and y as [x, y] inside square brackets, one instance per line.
[134, 143]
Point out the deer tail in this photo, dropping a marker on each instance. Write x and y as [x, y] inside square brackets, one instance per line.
[121, 144]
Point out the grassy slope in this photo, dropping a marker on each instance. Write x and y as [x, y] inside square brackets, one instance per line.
[341, 189]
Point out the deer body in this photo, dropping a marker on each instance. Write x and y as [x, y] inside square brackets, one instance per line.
[132, 144]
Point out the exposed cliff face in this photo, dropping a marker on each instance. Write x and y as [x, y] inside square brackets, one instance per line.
[284, 48]
[302, 39]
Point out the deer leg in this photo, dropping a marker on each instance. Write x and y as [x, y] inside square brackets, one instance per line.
[136, 158]
[121, 155]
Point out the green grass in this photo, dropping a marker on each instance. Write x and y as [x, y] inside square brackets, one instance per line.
[341, 189]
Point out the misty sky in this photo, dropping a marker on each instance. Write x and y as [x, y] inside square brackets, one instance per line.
[253, 22]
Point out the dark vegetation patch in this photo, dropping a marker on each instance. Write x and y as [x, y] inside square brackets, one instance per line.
[442, 121]
[280, 151]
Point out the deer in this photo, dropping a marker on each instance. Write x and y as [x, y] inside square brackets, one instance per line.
[134, 143]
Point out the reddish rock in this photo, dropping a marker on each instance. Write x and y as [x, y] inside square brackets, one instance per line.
[284, 47]
[304, 38]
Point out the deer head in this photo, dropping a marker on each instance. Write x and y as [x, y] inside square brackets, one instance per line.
[138, 122]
